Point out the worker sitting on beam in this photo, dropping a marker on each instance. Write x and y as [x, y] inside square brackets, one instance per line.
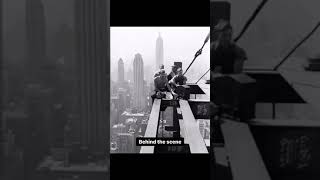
[161, 85]
[226, 55]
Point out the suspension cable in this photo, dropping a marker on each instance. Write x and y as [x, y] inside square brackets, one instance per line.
[198, 53]
[248, 23]
[250, 20]
[297, 46]
[202, 76]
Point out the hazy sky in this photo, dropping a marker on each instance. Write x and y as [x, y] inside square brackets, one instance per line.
[179, 43]
[276, 29]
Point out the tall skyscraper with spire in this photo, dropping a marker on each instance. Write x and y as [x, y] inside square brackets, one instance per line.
[159, 51]
[36, 95]
[92, 39]
[138, 83]
[120, 71]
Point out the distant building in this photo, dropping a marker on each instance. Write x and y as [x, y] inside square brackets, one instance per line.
[119, 128]
[139, 116]
[130, 75]
[122, 94]
[126, 143]
[86, 137]
[138, 81]
[52, 169]
[114, 110]
[36, 37]
[120, 71]
[159, 52]
[92, 39]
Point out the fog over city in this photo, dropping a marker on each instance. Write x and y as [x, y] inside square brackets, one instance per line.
[179, 44]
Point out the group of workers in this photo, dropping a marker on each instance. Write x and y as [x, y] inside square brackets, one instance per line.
[226, 57]
[164, 82]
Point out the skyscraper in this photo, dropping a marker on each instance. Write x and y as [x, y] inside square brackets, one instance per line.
[122, 99]
[126, 143]
[120, 71]
[92, 39]
[159, 52]
[2, 121]
[130, 75]
[36, 37]
[138, 83]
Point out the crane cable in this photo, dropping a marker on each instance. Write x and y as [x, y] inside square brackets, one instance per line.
[198, 52]
[250, 20]
[246, 26]
[202, 76]
[297, 46]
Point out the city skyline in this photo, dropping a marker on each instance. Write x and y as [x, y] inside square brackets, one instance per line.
[139, 52]
[179, 44]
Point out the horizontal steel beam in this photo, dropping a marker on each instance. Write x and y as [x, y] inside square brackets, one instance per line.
[244, 156]
[191, 129]
[152, 126]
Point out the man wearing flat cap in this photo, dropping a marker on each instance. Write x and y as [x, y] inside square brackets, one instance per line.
[227, 57]
[161, 85]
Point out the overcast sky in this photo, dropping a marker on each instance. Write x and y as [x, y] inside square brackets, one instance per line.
[278, 27]
[179, 43]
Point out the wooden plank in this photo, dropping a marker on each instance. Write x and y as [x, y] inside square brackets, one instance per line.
[191, 129]
[200, 100]
[152, 126]
[182, 133]
[244, 156]
[220, 155]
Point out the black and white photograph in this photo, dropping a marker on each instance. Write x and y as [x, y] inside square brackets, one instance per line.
[160, 96]
[54, 65]
[210, 89]
[265, 63]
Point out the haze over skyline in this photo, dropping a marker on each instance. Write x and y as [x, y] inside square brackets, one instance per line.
[179, 43]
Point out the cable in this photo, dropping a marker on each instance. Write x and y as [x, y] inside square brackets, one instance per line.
[203, 76]
[297, 46]
[248, 23]
[198, 53]
[253, 16]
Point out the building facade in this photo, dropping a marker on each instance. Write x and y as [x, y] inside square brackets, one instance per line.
[159, 52]
[36, 38]
[92, 39]
[138, 80]
[120, 71]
